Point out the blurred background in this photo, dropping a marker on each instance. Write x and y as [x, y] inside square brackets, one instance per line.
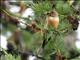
[23, 35]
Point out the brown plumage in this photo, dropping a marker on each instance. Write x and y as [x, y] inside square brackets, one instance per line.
[53, 19]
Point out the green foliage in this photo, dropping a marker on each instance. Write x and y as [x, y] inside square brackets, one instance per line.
[10, 57]
[63, 8]
[41, 8]
[34, 41]
[57, 40]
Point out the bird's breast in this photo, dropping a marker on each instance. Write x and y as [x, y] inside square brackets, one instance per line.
[54, 18]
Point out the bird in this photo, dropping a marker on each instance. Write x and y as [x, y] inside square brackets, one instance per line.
[53, 19]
